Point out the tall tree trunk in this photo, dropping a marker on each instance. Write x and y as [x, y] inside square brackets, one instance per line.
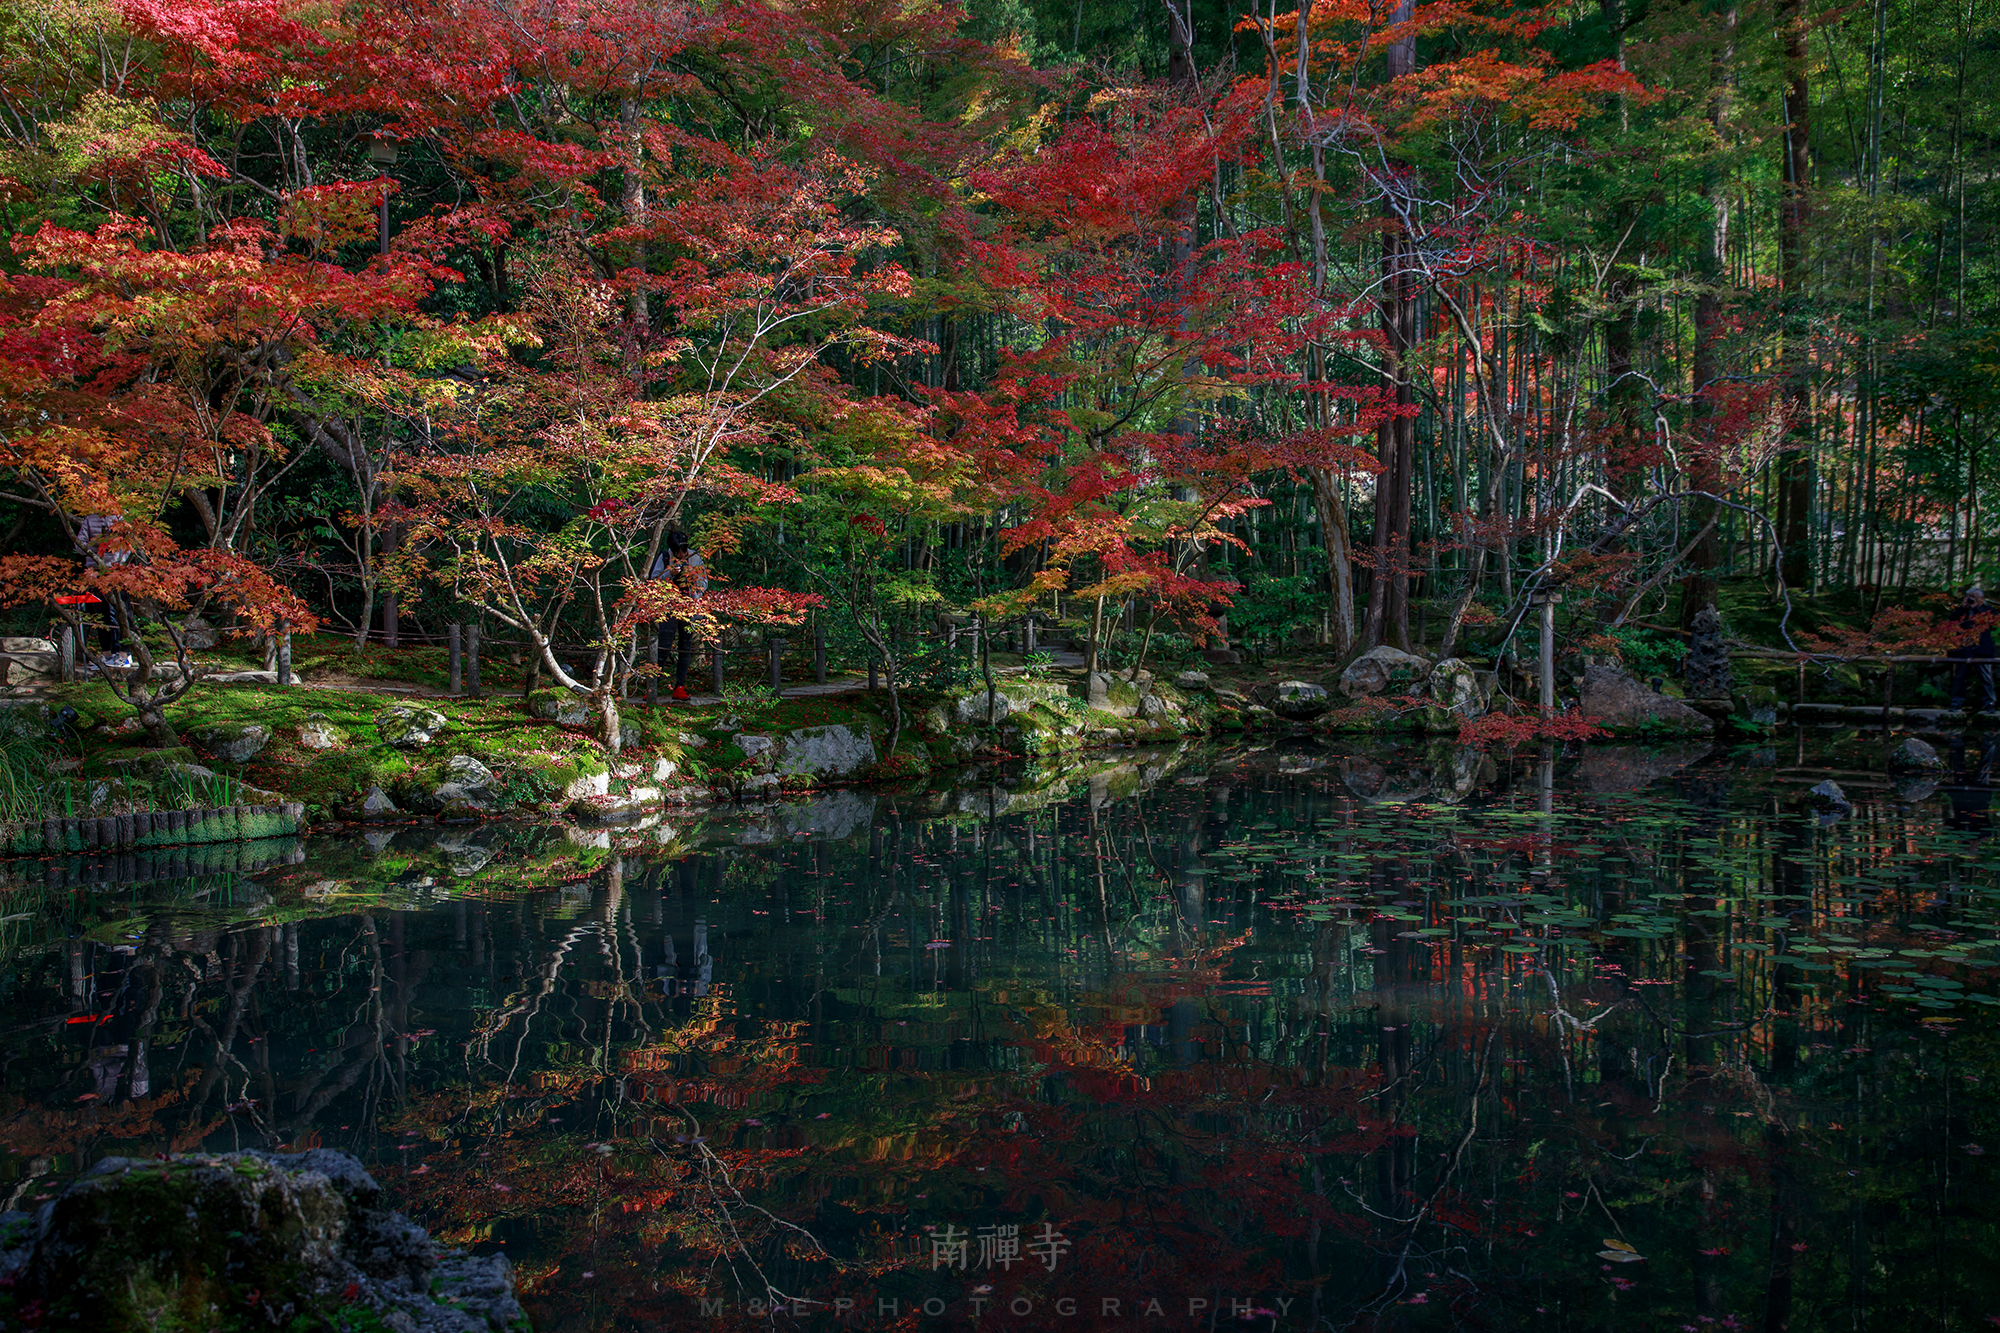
[1625, 392]
[1339, 557]
[1794, 479]
[392, 625]
[1699, 586]
[633, 205]
[1328, 500]
[1396, 438]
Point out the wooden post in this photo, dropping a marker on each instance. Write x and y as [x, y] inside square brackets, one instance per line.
[1888, 694]
[1802, 681]
[1548, 602]
[472, 659]
[284, 653]
[66, 653]
[716, 667]
[874, 674]
[653, 661]
[819, 650]
[1031, 636]
[453, 665]
[777, 664]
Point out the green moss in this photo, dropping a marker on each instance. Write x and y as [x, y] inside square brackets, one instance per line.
[139, 1265]
[1041, 731]
[911, 760]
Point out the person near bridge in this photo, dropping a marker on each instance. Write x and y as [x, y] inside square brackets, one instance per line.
[1974, 655]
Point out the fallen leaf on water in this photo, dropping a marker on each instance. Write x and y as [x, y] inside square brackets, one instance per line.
[1621, 1256]
[1611, 1244]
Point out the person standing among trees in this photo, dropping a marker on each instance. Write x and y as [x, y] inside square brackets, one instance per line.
[96, 552]
[1975, 622]
[682, 564]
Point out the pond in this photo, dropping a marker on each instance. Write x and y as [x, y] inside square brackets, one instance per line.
[1294, 1036]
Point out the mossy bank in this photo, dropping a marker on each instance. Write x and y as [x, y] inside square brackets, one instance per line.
[356, 754]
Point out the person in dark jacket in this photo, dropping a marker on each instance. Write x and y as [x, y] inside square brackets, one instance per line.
[98, 553]
[684, 566]
[1975, 623]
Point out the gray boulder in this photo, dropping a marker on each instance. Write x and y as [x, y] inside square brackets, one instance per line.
[466, 782]
[970, 710]
[28, 661]
[617, 807]
[30, 668]
[233, 744]
[1913, 756]
[1191, 680]
[410, 726]
[565, 708]
[825, 752]
[587, 785]
[1617, 700]
[1299, 700]
[377, 805]
[1376, 670]
[1114, 694]
[1454, 685]
[250, 1239]
[1828, 796]
[244, 678]
[316, 733]
[199, 635]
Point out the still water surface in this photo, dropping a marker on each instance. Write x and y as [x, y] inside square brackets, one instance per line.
[1293, 1037]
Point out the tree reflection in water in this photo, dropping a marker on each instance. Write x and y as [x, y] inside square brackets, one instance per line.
[1388, 1039]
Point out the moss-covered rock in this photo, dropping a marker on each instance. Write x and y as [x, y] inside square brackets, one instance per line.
[409, 726]
[318, 732]
[911, 760]
[233, 742]
[1042, 732]
[562, 707]
[1114, 694]
[240, 1241]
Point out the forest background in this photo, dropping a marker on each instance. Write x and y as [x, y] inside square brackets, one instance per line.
[1342, 325]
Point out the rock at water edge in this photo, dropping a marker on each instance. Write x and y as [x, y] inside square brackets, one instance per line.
[1454, 685]
[826, 752]
[1615, 699]
[1914, 756]
[1375, 670]
[250, 1239]
[1299, 700]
